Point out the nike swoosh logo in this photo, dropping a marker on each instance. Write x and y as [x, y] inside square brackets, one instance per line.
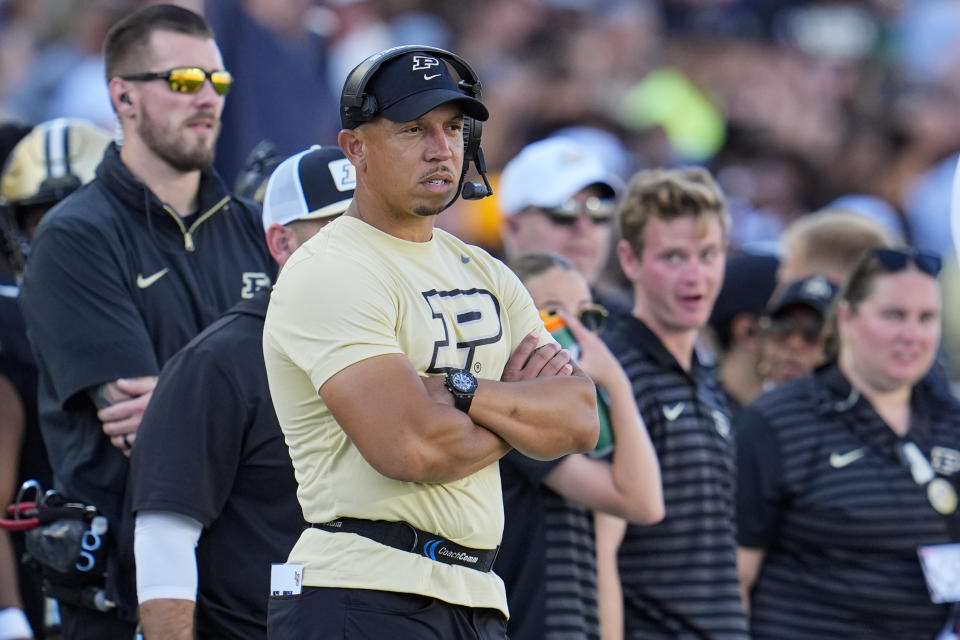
[426, 77]
[143, 283]
[840, 460]
[672, 413]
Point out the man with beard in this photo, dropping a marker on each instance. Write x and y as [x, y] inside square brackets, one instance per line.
[126, 271]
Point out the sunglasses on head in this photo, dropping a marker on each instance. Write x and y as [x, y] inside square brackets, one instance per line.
[592, 316]
[188, 79]
[599, 210]
[807, 327]
[898, 259]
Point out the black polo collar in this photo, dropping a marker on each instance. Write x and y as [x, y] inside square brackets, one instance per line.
[130, 189]
[633, 332]
[928, 409]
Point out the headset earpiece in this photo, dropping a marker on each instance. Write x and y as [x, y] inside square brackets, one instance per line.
[472, 129]
[368, 108]
[125, 99]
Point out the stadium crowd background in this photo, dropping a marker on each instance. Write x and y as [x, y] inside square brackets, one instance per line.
[794, 106]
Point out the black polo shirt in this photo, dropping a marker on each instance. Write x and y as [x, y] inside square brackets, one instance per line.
[547, 557]
[679, 576]
[115, 285]
[210, 448]
[823, 490]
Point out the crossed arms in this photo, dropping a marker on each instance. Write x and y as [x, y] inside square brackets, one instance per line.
[544, 406]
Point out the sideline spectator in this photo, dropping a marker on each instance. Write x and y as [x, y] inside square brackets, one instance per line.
[558, 197]
[281, 68]
[214, 467]
[127, 269]
[846, 474]
[748, 282]
[548, 555]
[50, 163]
[827, 243]
[791, 330]
[678, 577]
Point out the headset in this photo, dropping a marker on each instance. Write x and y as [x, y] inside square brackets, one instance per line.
[357, 106]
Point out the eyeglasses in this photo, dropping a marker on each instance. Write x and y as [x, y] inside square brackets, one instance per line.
[592, 316]
[780, 329]
[898, 259]
[600, 211]
[188, 79]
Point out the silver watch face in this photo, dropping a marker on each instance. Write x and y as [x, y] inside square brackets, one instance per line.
[463, 381]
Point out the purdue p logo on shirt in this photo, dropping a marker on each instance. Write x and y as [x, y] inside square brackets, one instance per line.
[465, 320]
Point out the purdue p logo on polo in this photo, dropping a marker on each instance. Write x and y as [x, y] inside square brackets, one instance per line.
[253, 281]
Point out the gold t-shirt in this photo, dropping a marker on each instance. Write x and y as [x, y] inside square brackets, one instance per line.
[352, 292]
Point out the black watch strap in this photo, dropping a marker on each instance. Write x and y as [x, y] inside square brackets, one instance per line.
[462, 401]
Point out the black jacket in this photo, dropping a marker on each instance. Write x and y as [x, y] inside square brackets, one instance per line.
[115, 285]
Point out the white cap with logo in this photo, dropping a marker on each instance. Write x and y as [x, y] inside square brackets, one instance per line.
[316, 183]
[549, 172]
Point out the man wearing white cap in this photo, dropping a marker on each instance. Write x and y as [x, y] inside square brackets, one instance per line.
[559, 198]
[210, 462]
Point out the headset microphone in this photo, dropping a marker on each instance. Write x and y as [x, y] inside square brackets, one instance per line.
[475, 190]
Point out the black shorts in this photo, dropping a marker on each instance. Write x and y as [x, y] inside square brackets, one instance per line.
[334, 614]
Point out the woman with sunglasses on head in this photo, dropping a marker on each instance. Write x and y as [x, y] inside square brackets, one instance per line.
[547, 557]
[848, 477]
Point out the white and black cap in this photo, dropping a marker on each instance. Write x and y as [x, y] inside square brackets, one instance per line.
[316, 183]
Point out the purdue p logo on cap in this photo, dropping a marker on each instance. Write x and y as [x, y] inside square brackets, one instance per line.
[423, 63]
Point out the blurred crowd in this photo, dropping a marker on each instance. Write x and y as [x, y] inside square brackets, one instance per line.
[795, 106]
[827, 130]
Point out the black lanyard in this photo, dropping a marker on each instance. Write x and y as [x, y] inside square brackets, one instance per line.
[941, 493]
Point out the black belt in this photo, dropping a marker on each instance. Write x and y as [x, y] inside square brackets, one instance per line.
[406, 537]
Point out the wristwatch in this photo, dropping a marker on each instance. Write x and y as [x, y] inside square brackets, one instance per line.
[462, 385]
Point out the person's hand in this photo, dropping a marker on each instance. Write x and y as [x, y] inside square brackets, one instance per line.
[595, 359]
[529, 362]
[121, 420]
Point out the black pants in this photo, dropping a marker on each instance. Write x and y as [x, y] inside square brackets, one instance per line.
[360, 614]
[81, 623]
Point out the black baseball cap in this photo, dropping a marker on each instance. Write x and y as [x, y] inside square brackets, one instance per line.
[815, 292]
[410, 85]
[748, 282]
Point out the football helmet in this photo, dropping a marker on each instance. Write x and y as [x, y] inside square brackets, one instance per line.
[47, 165]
